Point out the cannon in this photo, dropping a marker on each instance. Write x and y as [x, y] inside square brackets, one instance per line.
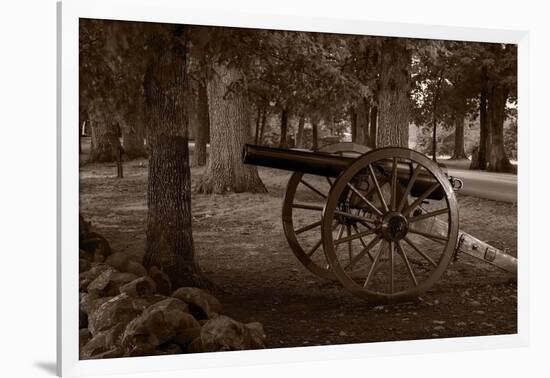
[386, 220]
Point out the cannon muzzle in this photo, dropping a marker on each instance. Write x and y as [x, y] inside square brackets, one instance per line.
[323, 164]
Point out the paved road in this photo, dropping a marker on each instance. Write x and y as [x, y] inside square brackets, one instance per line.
[496, 186]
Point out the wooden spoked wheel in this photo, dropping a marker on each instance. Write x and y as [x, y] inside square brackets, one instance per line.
[303, 204]
[399, 246]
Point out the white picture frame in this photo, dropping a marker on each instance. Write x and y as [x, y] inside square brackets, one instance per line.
[174, 11]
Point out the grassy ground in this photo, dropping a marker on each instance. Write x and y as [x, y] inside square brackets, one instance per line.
[240, 244]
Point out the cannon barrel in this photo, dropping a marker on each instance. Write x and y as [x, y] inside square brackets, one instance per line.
[323, 164]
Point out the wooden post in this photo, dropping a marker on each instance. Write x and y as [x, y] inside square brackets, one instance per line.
[119, 169]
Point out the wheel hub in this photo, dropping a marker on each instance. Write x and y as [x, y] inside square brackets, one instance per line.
[394, 226]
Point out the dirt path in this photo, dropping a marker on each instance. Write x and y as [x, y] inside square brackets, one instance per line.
[240, 244]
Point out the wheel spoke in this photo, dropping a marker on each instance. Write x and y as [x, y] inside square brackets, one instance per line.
[363, 242]
[407, 263]
[377, 186]
[308, 227]
[305, 206]
[435, 238]
[358, 218]
[366, 201]
[419, 200]
[394, 187]
[374, 263]
[348, 233]
[409, 187]
[314, 189]
[391, 250]
[341, 240]
[338, 237]
[415, 248]
[364, 251]
[329, 182]
[428, 215]
[314, 248]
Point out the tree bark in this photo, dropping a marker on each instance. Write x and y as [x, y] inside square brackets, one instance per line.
[105, 142]
[353, 123]
[497, 161]
[434, 116]
[481, 161]
[393, 94]
[284, 129]
[373, 126]
[258, 124]
[133, 143]
[363, 122]
[314, 133]
[201, 124]
[229, 131]
[300, 133]
[459, 153]
[262, 125]
[169, 243]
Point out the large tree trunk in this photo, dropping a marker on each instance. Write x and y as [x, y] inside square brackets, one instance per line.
[284, 129]
[497, 161]
[169, 244]
[393, 94]
[229, 131]
[481, 161]
[460, 115]
[314, 133]
[363, 113]
[300, 133]
[201, 124]
[133, 133]
[353, 123]
[258, 124]
[105, 143]
[262, 126]
[133, 142]
[373, 126]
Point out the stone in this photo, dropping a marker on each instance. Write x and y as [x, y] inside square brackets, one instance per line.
[167, 349]
[96, 244]
[158, 324]
[162, 281]
[140, 350]
[257, 333]
[223, 333]
[186, 336]
[202, 304]
[120, 309]
[105, 341]
[84, 336]
[195, 346]
[82, 319]
[136, 268]
[87, 277]
[109, 282]
[86, 255]
[89, 303]
[140, 287]
[111, 353]
[118, 260]
[84, 265]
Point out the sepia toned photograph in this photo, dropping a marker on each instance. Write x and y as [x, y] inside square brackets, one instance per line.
[249, 189]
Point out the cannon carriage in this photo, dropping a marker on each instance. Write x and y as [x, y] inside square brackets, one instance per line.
[384, 223]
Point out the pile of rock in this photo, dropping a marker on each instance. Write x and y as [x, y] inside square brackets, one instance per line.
[126, 310]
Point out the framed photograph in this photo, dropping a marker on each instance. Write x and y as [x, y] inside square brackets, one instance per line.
[279, 189]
